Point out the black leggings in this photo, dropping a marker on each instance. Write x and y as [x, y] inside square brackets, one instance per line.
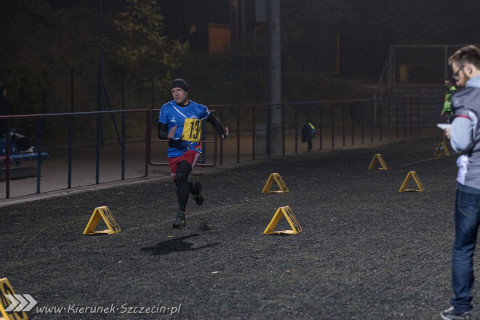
[183, 186]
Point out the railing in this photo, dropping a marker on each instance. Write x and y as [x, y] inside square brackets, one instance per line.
[69, 137]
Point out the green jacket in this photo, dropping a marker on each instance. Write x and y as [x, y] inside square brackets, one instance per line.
[447, 104]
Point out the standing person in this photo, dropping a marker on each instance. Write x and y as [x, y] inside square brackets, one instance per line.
[447, 112]
[464, 137]
[308, 133]
[20, 142]
[180, 122]
[5, 109]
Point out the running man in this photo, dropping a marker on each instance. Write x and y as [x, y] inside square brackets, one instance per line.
[180, 122]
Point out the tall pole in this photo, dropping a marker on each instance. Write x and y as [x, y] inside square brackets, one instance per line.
[99, 142]
[100, 63]
[275, 144]
[244, 31]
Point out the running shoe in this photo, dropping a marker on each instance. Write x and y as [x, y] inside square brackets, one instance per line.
[450, 314]
[198, 196]
[180, 222]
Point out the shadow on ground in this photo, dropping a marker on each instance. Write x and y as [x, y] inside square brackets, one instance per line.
[175, 245]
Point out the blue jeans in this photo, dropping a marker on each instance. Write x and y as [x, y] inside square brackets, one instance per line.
[467, 220]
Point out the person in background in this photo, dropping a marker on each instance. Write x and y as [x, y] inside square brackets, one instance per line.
[447, 112]
[308, 133]
[464, 135]
[20, 142]
[180, 122]
[5, 108]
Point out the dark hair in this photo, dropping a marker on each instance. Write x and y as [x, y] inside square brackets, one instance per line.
[467, 54]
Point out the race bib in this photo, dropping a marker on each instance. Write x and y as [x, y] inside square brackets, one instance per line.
[192, 130]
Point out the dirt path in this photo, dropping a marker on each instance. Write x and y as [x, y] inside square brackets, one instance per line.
[366, 250]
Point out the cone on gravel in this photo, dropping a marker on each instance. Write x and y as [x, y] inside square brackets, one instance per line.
[5, 304]
[412, 174]
[442, 149]
[292, 221]
[281, 184]
[107, 216]
[377, 157]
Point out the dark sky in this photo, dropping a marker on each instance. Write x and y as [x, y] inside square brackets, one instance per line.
[366, 27]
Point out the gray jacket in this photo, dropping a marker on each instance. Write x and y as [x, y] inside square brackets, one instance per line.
[465, 134]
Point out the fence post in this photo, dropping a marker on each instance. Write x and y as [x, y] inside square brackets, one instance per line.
[362, 111]
[372, 120]
[396, 120]
[221, 140]
[388, 118]
[238, 132]
[404, 104]
[70, 128]
[380, 111]
[153, 91]
[411, 117]
[418, 116]
[148, 140]
[320, 128]
[39, 152]
[283, 130]
[7, 158]
[123, 128]
[253, 133]
[268, 130]
[296, 129]
[352, 121]
[343, 124]
[99, 140]
[123, 144]
[332, 110]
[70, 146]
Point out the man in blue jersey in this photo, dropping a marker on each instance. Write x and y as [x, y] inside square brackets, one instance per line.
[464, 135]
[180, 122]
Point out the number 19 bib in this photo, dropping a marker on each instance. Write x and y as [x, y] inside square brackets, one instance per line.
[192, 130]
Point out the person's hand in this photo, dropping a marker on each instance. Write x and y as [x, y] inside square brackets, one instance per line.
[447, 132]
[171, 133]
[442, 113]
[226, 131]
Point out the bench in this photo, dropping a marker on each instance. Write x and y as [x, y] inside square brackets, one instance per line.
[24, 156]
[20, 172]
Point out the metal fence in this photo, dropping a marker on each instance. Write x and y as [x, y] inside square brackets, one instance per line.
[91, 148]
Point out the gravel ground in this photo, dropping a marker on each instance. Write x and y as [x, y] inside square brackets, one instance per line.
[367, 251]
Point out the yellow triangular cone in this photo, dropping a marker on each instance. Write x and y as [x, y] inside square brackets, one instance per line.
[412, 174]
[292, 221]
[107, 216]
[5, 303]
[377, 157]
[281, 184]
[442, 149]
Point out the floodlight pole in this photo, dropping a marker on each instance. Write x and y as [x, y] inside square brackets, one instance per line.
[274, 133]
[99, 140]
[100, 66]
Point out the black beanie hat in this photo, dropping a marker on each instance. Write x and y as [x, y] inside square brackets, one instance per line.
[179, 83]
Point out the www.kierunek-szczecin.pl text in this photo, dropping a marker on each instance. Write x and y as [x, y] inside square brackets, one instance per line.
[112, 309]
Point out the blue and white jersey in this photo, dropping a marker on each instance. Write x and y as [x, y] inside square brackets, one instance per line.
[188, 120]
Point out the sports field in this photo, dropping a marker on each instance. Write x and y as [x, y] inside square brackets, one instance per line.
[366, 251]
